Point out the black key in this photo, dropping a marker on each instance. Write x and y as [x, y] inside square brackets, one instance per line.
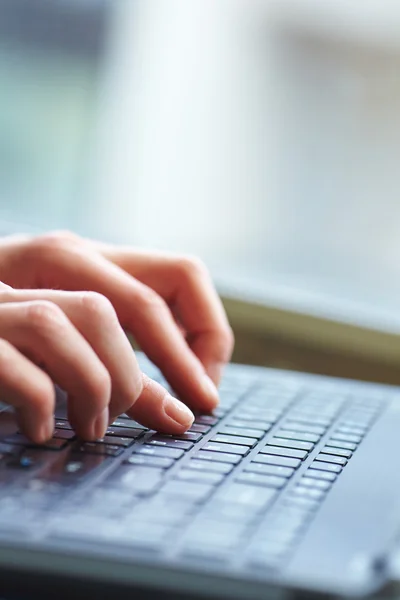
[72, 468]
[324, 466]
[217, 457]
[206, 420]
[125, 432]
[262, 426]
[197, 427]
[196, 492]
[237, 431]
[62, 424]
[337, 451]
[263, 480]
[150, 461]
[161, 440]
[64, 434]
[214, 467]
[306, 427]
[252, 496]
[347, 437]
[115, 441]
[174, 453]
[317, 474]
[281, 461]
[260, 468]
[189, 436]
[53, 444]
[99, 449]
[199, 476]
[297, 444]
[9, 450]
[338, 444]
[231, 439]
[140, 480]
[305, 436]
[128, 424]
[226, 448]
[315, 483]
[338, 460]
[289, 452]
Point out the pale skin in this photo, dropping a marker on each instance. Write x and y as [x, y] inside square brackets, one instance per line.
[65, 304]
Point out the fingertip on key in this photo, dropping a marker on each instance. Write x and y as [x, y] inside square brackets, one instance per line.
[178, 411]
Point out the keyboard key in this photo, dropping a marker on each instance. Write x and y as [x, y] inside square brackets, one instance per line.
[140, 480]
[263, 480]
[199, 476]
[352, 430]
[72, 469]
[126, 432]
[62, 424]
[150, 461]
[64, 434]
[226, 448]
[247, 495]
[311, 419]
[231, 439]
[236, 431]
[174, 453]
[262, 426]
[311, 482]
[308, 428]
[190, 436]
[200, 428]
[324, 466]
[128, 424]
[169, 443]
[337, 451]
[317, 474]
[214, 467]
[289, 452]
[281, 461]
[115, 441]
[53, 444]
[260, 468]
[285, 443]
[305, 436]
[338, 444]
[338, 460]
[232, 459]
[347, 437]
[206, 420]
[197, 492]
[308, 492]
[100, 449]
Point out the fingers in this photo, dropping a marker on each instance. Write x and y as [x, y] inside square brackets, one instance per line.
[157, 409]
[27, 388]
[186, 286]
[139, 309]
[95, 318]
[42, 331]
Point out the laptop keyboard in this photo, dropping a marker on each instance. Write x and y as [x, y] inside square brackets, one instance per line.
[240, 487]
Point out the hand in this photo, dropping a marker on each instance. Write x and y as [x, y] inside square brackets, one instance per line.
[64, 305]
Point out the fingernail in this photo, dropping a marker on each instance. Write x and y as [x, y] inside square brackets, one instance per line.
[211, 390]
[178, 411]
[100, 425]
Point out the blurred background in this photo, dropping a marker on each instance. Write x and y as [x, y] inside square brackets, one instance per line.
[261, 135]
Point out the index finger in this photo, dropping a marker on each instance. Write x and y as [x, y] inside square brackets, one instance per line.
[187, 287]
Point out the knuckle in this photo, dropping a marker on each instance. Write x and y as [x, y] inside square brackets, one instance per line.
[45, 317]
[151, 302]
[44, 246]
[190, 266]
[97, 306]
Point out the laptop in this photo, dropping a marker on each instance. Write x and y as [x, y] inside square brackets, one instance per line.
[289, 488]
